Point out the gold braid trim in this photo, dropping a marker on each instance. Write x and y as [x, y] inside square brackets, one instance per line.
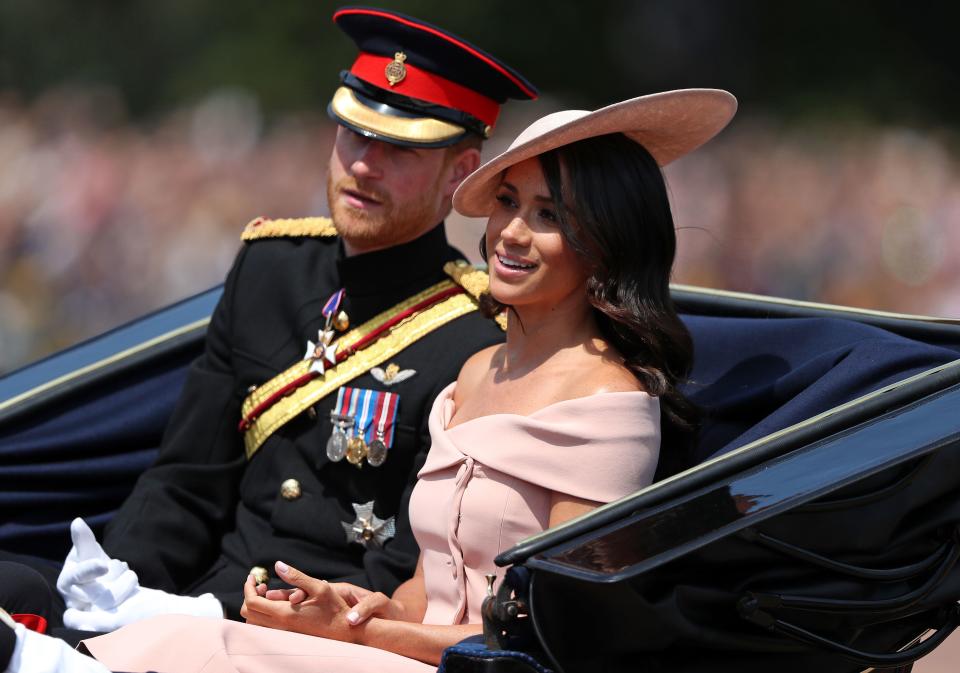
[384, 348]
[475, 281]
[345, 342]
[264, 227]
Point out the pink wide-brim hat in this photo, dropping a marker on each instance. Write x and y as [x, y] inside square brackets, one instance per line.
[668, 125]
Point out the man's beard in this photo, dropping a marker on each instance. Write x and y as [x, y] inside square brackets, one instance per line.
[388, 224]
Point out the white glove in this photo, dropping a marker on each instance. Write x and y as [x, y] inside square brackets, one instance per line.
[91, 578]
[103, 594]
[142, 604]
[36, 653]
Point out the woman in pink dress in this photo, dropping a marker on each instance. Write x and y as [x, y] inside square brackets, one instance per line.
[564, 416]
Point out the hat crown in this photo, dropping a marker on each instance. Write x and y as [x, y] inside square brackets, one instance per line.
[417, 85]
[547, 124]
[667, 124]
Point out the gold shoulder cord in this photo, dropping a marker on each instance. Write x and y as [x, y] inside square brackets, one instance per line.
[475, 281]
[263, 227]
[394, 341]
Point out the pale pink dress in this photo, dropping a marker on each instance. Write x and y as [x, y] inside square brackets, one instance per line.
[486, 485]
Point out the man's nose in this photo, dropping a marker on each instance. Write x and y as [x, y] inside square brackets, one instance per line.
[368, 162]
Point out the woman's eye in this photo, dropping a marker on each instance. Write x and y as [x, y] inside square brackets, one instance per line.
[549, 215]
[505, 201]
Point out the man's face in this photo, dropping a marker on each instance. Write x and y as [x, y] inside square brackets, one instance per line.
[381, 195]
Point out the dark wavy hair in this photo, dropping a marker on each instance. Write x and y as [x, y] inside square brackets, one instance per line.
[623, 229]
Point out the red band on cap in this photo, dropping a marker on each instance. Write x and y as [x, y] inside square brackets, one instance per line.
[427, 86]
[449, 38]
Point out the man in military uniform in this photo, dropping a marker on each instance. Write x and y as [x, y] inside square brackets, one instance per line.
[300, 431]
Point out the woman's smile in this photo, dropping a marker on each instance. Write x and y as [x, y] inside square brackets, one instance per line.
[512, 266]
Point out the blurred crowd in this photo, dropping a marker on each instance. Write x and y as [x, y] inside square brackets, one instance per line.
[102, 220]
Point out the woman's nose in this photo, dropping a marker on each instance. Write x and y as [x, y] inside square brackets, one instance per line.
[516, 231]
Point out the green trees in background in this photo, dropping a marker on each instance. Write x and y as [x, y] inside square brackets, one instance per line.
[883, 61]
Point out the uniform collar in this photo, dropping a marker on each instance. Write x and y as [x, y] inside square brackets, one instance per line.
[403, 267]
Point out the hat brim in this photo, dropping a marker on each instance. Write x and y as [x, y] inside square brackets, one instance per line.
[390, 124]
[668, 125]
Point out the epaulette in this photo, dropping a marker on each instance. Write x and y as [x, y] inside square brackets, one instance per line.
[475, 281]
[264, 227]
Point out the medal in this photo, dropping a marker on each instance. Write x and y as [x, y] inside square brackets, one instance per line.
[363, 426]
[367, 529]
[377, 452]
[323, 353]
[356, 451]
[337, 444]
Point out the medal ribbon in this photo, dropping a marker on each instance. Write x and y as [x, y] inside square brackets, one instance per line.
[385, 416]
[374, 412]
[333, 304]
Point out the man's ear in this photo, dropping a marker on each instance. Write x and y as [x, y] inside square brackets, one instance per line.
[465, 163]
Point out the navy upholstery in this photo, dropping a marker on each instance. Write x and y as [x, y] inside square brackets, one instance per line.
[471, 655]
[752, 376]
[81, 457]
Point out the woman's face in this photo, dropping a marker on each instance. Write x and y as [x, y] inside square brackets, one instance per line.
[530, 261]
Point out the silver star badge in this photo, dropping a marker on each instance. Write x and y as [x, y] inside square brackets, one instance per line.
[321, 353]
[368, 529]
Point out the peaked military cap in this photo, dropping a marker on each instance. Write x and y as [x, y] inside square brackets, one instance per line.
[417, 85]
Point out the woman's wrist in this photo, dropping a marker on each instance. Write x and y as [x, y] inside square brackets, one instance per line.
[390, 609]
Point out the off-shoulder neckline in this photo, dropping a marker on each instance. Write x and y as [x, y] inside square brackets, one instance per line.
[447, 397]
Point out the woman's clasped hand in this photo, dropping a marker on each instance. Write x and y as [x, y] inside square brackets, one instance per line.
[316, 607]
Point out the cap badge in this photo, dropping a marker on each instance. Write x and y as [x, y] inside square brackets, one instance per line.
[396, 71]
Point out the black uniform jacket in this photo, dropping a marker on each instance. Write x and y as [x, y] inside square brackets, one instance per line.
[203, 515]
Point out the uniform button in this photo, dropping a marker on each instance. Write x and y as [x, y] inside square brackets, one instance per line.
[250, 389]
[290, 489]
[260, 574]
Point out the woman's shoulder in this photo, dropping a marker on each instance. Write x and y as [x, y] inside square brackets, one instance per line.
[601, 372]
[474, 369]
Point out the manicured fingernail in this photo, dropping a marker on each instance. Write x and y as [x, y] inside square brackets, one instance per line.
[282, 567]
[353, 616]
[250, 578]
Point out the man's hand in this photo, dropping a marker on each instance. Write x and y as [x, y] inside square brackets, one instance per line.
[318, 609]
[103, 594]
[91, 578]
[36, 653]
[141, 604]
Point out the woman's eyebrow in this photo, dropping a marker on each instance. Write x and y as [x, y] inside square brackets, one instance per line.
[539, 197]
